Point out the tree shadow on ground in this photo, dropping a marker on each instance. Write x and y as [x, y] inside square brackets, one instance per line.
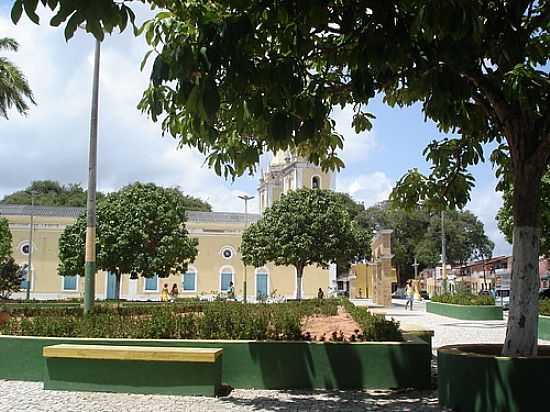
[372, 400]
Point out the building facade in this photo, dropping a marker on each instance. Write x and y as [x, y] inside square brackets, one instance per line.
[217, 264]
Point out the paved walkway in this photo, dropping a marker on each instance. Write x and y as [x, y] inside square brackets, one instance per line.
[18, 396]
[449, 331]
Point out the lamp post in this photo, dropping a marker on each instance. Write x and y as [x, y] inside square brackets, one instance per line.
[443, 253]
[246, 198]
[91, 221]
[31, 230]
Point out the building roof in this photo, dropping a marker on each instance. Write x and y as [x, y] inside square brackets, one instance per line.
[74, 212]
[55, 211]
[221, 217]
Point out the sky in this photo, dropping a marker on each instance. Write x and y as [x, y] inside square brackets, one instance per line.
[52, 141]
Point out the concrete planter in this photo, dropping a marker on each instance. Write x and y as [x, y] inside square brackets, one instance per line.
[475, 378]
[544, 327]
[265, 364]
[465, 312]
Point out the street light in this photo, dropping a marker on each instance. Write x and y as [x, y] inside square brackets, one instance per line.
[91, 221]
[31, 230]
[246, 198]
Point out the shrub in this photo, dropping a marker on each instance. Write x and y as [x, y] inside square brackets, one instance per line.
[544, 307]
[373, 327]
[464, 299]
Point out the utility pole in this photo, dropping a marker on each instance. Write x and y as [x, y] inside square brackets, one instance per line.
[443, 253]
[415, 266]
[31, 230]
[91, 222]
[246, 198]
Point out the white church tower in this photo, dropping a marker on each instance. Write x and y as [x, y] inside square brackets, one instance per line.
[289, 172]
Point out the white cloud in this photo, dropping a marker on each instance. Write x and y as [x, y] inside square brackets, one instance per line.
[485, 204]
[369, 188]
[52, 142]
[356, 146]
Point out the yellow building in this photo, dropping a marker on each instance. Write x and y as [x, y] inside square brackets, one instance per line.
[217, 264]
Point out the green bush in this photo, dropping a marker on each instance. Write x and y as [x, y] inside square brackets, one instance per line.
[373, 327]
[191, 320]
[544, 307]
[464, 299]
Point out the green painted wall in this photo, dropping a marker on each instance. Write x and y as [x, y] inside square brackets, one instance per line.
[465, 312]
[269, 365]
[146, 377]
[492, 384]
[544, 327]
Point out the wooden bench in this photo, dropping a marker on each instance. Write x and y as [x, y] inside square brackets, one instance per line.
[133, 369]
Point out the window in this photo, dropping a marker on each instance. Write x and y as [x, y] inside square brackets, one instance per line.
[24, 285]
[70, 283]
[315, 182]
[225, 279]
[227, 252]
[190, 281]
[25, 248]
[151, 284]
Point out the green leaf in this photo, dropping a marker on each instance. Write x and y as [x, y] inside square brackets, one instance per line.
[16, 11]
[211, 99]
[72, 25]
[30, 10]
[144, 61]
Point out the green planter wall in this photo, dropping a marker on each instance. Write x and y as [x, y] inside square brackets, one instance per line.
[265, 365]
[473, 382]
[544, 327]
[465, 312]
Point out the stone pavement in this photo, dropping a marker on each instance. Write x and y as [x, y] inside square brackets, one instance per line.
[448, 331]
[16, 396]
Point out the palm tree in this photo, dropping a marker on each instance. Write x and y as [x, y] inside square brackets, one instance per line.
[13, 84]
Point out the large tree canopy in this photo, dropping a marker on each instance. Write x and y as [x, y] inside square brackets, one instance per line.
[417, 233]
[505, 218]
[236, 78]
[140, 228]
[10, 274]
[305, 227]
[52, 193]
[14, 88]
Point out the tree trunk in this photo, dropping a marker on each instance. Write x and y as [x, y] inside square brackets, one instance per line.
[117, 285]
[299, 277]
[522, 333]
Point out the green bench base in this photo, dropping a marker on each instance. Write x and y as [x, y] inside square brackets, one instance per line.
[144, 377]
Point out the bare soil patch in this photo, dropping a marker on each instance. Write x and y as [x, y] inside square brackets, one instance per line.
[321, 327]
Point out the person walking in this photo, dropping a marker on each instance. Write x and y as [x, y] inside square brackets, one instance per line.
[409, 291]
[320, 294]
[174, 292]
[164, 295]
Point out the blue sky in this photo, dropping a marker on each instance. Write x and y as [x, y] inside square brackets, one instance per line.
[51, 143]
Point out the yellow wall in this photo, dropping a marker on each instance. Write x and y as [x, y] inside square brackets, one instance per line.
[212, 237]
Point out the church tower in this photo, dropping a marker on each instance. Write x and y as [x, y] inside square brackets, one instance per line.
[289, 172]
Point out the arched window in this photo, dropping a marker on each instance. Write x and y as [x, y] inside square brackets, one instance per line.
[262, 284]
[227, 277]
[315, 182]
[189, 280]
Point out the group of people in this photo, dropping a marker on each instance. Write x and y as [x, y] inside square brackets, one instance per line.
[169, 296]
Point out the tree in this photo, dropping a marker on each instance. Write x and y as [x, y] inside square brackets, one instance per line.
[53, 193]
[5, 239]
[50, 193]
[505, 216]
[140, 229]
[417, 233]
[236, 78]
[305, 227]
[10, 273]
[14, 88]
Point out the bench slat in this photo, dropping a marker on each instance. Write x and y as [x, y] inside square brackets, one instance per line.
[144, 353]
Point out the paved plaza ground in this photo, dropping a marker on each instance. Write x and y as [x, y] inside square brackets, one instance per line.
[18, 396]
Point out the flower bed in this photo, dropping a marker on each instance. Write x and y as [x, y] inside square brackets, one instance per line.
[194, 320]
[464, 299]
[465, 312]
